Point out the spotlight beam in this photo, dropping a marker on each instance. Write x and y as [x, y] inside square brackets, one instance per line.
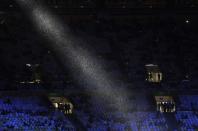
[71, 53]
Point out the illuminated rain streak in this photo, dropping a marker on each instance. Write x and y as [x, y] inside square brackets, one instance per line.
[68, 47]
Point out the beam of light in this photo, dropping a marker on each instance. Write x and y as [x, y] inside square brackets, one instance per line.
[84, 65]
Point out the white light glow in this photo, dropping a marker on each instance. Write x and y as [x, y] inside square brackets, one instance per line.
[187, 21]
[29, 65]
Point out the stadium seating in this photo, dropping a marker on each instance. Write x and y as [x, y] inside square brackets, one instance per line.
[187, 120]
[30, 114]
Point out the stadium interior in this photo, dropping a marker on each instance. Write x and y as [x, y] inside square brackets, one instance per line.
[99, 65]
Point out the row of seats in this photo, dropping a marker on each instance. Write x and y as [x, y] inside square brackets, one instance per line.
[187, 120]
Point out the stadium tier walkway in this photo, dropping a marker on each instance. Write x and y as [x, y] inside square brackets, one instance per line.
[171, 121]
[78, 125]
